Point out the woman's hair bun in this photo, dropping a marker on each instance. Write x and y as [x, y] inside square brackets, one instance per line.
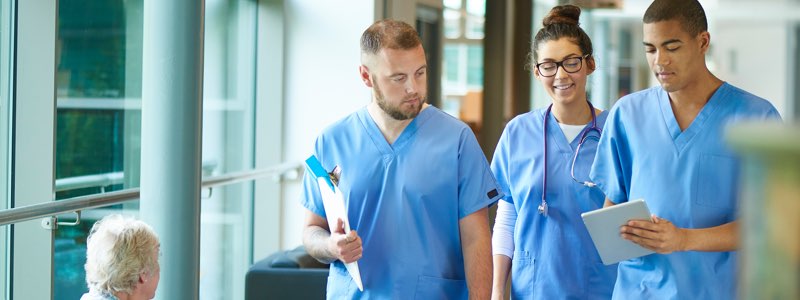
[563, 14]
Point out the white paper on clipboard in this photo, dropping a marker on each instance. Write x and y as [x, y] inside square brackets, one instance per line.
[333, 203]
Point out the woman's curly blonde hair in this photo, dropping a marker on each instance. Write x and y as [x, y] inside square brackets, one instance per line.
[118, 250]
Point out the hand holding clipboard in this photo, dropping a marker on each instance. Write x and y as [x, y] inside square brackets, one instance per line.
[335, 211]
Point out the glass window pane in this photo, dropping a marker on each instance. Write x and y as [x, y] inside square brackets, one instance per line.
[225, 241]
[475, 66]
[476, 7]
[451, 65]
[452, 105]
[98, 91]
[98, 87]
[452, 23]
[228, 145]
[454, 4]
[475, 27]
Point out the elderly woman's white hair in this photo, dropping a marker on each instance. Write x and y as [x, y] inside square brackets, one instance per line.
[119, 249]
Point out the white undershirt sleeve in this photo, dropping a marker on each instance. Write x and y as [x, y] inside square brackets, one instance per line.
[503, 235]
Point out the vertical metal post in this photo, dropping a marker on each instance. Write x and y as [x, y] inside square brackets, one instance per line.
[132, 130]
[6, 63]
[269, 120]
[172, 85]
[34, 146]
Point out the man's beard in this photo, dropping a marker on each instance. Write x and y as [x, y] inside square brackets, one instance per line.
[395, 111]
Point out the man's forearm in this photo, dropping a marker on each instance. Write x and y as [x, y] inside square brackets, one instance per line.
[478, 266]
[476, 244]
[315, 239]
[721, 238]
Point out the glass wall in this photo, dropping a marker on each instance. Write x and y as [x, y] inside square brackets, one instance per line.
[98, 133]
[228, 146]
[98, 90]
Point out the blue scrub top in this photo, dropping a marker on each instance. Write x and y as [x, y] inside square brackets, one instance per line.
[689, 178]
[554, 257]
[405, 201]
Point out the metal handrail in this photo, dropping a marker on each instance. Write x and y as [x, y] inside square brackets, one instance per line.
[41, 210]
[76, 204]
[87, 181]
[283, 171]
[104, 180]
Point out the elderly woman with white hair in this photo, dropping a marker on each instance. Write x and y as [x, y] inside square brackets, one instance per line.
[121, 260]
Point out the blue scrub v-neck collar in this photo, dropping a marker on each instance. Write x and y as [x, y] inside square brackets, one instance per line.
[682, 139]
[377, 137]
[556, 134]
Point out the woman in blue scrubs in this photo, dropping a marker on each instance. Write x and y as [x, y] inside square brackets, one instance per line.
[539, 235]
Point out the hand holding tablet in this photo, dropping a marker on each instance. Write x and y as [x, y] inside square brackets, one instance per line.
[604, 228]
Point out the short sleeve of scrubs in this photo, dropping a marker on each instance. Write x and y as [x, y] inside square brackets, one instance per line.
[477, 187]
[311, 199]
[609, 171]
[500, 166]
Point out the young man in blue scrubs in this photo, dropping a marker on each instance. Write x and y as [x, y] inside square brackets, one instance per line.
[665, 145]
[415, 182]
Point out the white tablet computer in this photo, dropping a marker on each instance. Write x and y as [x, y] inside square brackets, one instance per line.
[604, 224]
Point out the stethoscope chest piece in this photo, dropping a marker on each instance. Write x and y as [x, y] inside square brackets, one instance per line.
[543, 209]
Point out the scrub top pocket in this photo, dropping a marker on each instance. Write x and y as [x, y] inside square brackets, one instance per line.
[340, 285]
[523, 267]
[715, 184]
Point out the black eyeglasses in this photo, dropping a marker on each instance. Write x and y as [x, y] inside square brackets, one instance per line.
[570, 65]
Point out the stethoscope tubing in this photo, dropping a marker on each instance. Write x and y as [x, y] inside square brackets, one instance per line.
[543, 206]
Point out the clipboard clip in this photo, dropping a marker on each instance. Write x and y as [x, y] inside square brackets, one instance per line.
[316, 168]
[335, 174]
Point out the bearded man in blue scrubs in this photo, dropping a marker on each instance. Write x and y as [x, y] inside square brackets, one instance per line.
[665, 145]
[415, 182]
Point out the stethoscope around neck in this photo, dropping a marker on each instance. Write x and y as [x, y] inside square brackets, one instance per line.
[543, 207]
